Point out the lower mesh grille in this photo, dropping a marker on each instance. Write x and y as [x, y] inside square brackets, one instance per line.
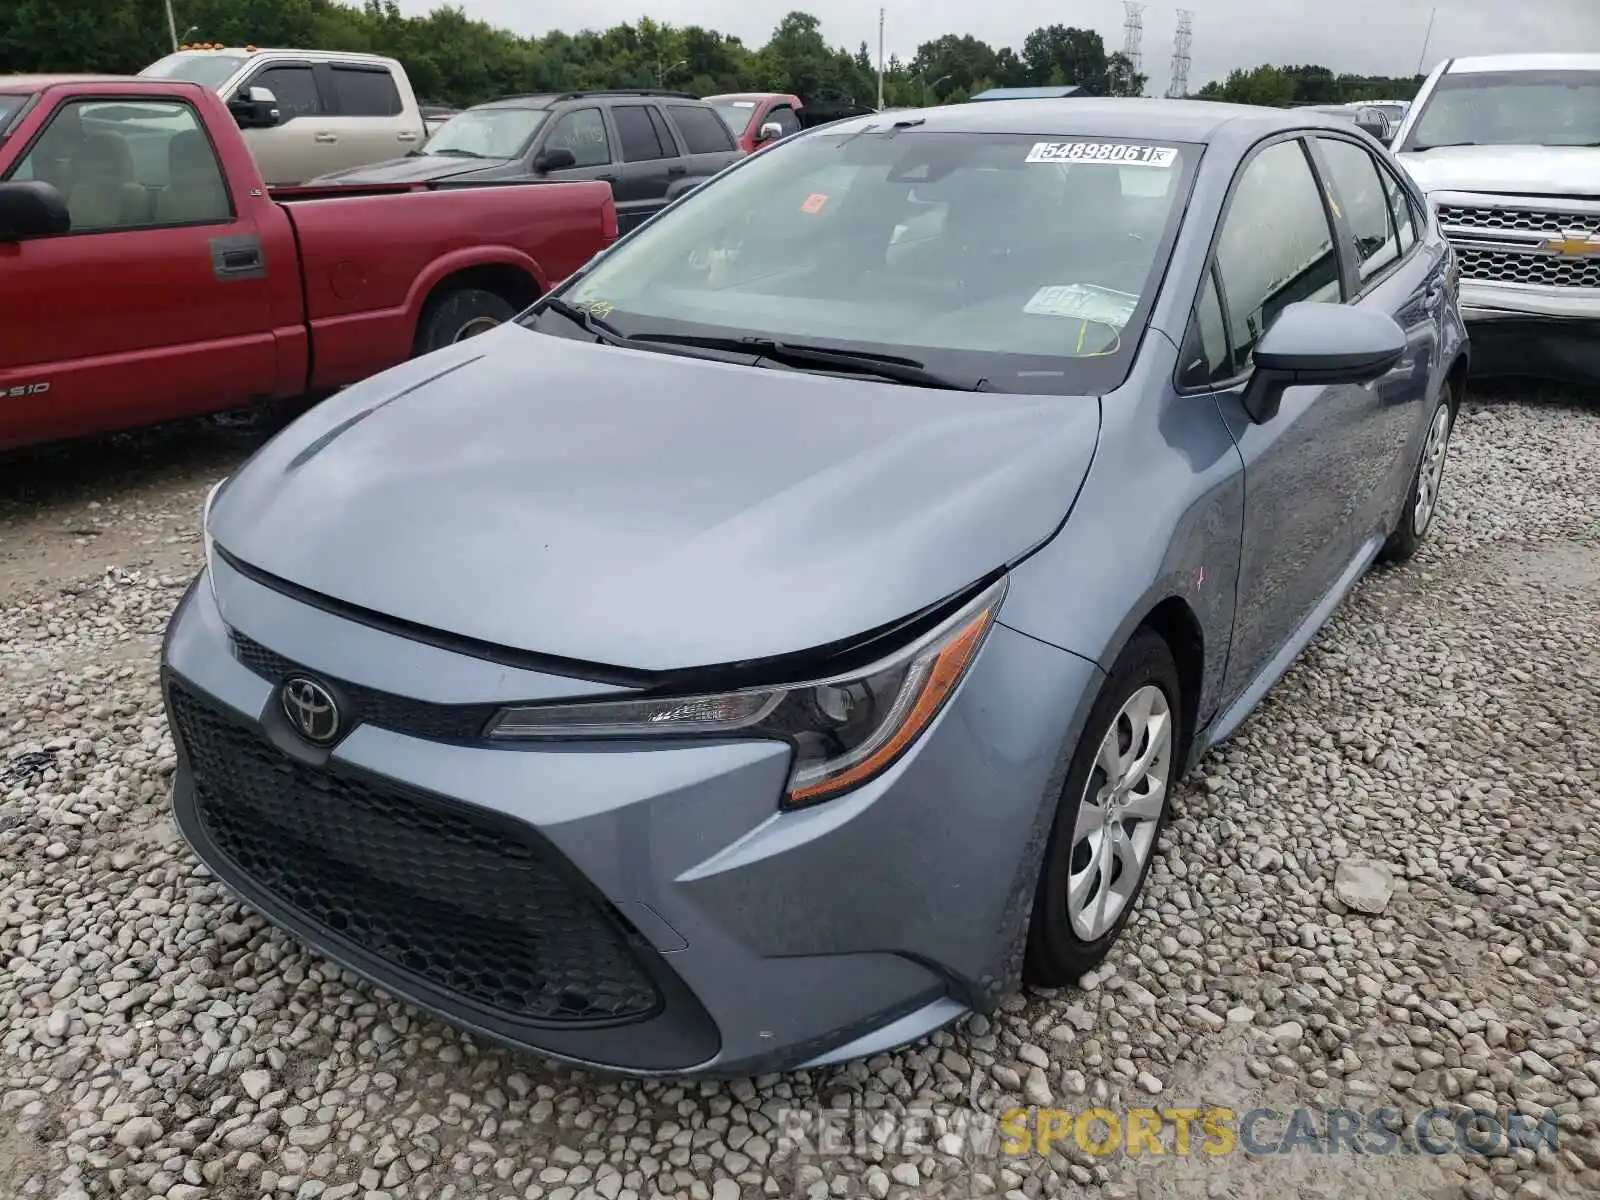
[1509, 267]
[434, 888]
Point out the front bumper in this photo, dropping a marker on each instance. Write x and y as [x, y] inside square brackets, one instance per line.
[638, 908]
[1534, 331]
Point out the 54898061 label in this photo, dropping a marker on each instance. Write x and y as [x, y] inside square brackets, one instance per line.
[1119, 154]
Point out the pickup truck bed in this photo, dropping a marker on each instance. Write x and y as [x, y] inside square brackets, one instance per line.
[199, 290]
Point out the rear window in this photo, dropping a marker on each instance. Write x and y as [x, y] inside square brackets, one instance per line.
[366, 93]
[202, 67]
[702, 132]
[1027, 263]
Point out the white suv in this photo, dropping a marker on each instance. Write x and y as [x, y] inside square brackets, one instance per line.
[336, 110]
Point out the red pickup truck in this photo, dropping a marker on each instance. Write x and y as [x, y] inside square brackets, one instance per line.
[147, 273]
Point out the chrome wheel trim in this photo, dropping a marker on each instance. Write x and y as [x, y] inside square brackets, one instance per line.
[1119, 812]
[474, 327]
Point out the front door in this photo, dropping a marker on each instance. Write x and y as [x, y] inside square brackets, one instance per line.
[301, 146]
[157, 302]
[1276, 247]
[583, 131]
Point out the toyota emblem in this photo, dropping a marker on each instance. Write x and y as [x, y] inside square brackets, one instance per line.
[311, 709]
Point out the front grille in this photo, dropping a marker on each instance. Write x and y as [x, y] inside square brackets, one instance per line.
[417, 718]
[475, 907]
[1505, 266]
[1522, 220]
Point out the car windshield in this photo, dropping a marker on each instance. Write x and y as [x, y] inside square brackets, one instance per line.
[735, 114]
[8, 109]
[1027, 264]
[208, 70]
[1510, 108]
[488, 132]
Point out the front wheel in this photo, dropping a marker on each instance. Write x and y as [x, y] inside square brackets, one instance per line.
[1111, 811]
[1422, 501]
[459, 315]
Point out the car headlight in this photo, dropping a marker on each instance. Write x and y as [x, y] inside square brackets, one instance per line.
[845, 729]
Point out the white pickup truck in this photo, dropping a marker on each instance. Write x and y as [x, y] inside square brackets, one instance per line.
[336, 110]
[1507, 147]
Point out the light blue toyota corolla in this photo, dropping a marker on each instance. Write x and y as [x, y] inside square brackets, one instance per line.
[786, 636]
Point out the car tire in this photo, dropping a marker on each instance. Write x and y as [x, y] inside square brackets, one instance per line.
[1422, 498]
[461, 314]
[1068, 936]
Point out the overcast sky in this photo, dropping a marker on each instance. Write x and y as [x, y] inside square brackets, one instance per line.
[1379, 37]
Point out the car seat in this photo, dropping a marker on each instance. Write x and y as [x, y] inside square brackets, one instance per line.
[101, 192]
[195, 192]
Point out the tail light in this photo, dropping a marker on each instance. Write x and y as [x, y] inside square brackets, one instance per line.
[608, 222]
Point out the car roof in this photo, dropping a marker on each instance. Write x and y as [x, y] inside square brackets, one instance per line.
[1523, 62]
[283, 51]
[1166, 120]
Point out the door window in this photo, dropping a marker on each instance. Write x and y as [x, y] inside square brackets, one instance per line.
[1360, 194]
[583, 131]
[1276, 247]
[127, 164]
[1205, 359]
[663, 135]
[295, 89]
[636, 133]
[366, 93]
[702, 130]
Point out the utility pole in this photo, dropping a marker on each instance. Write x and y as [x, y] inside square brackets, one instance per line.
[880, 60]
[1133, 38]
[1426, 38]
[172, 27]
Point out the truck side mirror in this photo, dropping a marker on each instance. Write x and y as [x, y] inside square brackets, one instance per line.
[32, 208]
[255, 108]
[555, 158]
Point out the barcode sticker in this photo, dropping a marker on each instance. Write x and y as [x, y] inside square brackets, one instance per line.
[1117, 154]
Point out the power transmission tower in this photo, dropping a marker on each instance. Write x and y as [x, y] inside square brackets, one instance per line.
[1179, 87]
[1132, 39]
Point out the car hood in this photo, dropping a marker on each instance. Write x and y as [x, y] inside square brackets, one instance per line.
[1507, 170]
[423, 168]
[648, 511]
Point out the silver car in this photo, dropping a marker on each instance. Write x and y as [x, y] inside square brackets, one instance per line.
[787, 635]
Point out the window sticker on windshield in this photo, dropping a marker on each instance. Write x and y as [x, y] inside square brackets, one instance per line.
[814, 202]
[1083, 302]
[598, 308]
[1115, 153]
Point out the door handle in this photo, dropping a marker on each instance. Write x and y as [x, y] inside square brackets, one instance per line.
[327, 138]
[238, 257]
[606, 178]
[406, 135]
[677, 169]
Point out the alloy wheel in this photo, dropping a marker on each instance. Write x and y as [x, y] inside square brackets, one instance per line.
[1431, 475]
[1120, 813]
[474, 327]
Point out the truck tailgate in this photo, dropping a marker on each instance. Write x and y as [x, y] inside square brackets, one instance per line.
[372, 256]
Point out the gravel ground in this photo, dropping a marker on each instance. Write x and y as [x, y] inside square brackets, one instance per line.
[1435, 757]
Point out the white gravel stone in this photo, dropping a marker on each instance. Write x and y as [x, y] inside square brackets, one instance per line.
[1444, 728]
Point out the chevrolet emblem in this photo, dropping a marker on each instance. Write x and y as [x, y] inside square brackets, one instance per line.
[1574, 243]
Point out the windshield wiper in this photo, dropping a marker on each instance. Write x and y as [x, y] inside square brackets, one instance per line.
[602, 329]
[452, 152]
[884, 366]
[1423, 147]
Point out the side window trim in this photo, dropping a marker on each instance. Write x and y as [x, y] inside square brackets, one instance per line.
[665, 133]
[1213, 268]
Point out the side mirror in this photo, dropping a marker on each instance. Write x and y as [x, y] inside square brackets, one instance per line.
[555, 158]
[1315, 343]
[30, 209]
[770, 132]
[255, 108]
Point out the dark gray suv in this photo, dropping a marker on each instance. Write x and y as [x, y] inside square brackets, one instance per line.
[648, 145]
